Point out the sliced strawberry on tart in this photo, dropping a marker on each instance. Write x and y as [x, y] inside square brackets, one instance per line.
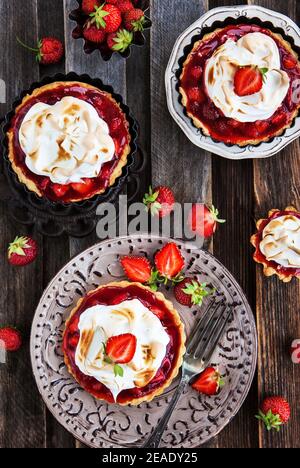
[237, 84]
[64, 144]
[124, 343]
[277, 244]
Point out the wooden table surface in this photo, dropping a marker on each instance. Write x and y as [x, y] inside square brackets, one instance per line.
[243, 191]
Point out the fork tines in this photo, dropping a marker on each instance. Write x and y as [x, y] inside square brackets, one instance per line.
[209, 331]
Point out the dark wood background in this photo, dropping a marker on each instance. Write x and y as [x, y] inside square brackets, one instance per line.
[243, 191]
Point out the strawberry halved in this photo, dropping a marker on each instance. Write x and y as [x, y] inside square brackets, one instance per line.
[169, 261]
[249, 80]
[137, 268]
[203, 220]
[121, 349]
[209, 382]
[83, 187]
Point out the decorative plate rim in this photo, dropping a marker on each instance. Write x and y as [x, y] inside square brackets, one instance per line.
[154, 238]
[234, 152]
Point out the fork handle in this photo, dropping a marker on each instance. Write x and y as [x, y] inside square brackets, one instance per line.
[154, 440]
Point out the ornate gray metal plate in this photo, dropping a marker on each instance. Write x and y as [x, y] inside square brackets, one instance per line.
[176, 109]
[97, 424]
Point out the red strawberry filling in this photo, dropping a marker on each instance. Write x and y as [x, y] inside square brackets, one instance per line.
[108, 110]
[201, 106]
[108, 296]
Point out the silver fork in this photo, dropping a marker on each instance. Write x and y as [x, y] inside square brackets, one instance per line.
[200, 348]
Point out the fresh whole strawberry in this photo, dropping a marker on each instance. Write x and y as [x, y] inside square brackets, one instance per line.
[22, 251]
[93, 34]
[121, 349]
[190, 292]
[108, 17]
[295, 352]
[208, 382]
[169, 262]
[120, 41]
[160, 201]
[134, 20]
[203, 220]
[249, 80]
[89, 6]
[125, 5]
[10, 339]
[137, 268]
[48, 51]
[274, 412]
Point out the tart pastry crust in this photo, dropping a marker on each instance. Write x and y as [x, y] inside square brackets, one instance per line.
[199, 124]
[30, 184]
[258, 257]
[177, 322]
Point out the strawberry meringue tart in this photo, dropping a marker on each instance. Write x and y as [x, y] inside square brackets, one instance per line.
[238, 84]
[124, 343]
[277, 244]
[68, 141]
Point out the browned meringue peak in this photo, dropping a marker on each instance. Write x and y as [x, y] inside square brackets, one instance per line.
[66, 142]
[281, 241]
[101, 322]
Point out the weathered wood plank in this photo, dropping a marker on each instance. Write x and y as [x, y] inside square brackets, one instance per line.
[276, 184]
[22, 422]
[51, 23]
[175, 161]
[138, 100]
[232, 188]
[112, 73]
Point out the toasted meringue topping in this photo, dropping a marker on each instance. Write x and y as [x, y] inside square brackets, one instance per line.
[65, 142]
[254, 49]
[281, 241]
[101, 322]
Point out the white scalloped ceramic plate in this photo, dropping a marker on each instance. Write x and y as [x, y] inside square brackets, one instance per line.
[264, 150]
[197, 418]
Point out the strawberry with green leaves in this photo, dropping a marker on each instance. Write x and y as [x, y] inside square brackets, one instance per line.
[120, 41]
[274, 412]
[107, 17]
[49, 50]
[22, 251]
[138, 269]
[160, 201]
[134, 20]
[169, 263]
[203, 220]
[118, 350]
[190, 292]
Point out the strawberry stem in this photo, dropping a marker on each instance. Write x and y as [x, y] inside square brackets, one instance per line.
[271, 421]
[215, 213]
[26, 46]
